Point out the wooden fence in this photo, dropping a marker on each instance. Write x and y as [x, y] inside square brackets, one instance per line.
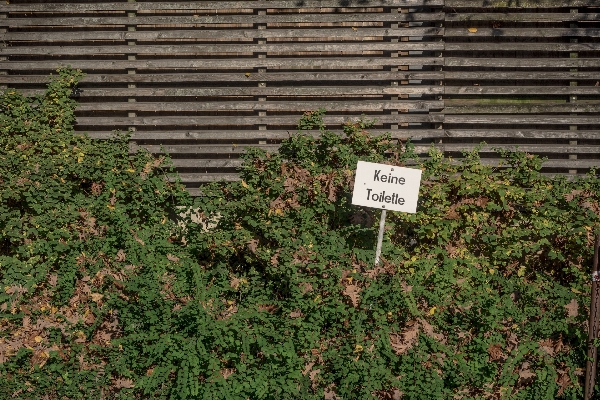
[207, 78]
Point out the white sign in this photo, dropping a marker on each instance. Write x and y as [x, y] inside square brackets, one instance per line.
[387, 187]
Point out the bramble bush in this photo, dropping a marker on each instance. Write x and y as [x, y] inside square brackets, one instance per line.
[111, 291]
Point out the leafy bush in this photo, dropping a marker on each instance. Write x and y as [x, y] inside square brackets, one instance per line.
[481, 294]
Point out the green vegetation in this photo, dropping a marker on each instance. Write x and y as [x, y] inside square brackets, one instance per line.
[108, 294]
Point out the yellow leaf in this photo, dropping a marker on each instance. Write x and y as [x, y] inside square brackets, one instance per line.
[575, 291]
[247, 74]
[472, 30]
[354, 28]
[521, 271]
[358, 348]
[110, 207]
[38, 339]
[131, 170]
[432, 310]
[244, 184]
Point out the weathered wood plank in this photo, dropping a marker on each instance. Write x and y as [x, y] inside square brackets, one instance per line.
[454, 107]
[233, 149]
[200, 164]
[200, 20]
[521, 119]
[193, 6]
[363, 76]
[521, 133]
[257, 91]
[520, 17]
[529, 63]
[242, 120]
[519, 75]
[519, 4]
[225, 76]
[363, 63]
[557, 149]
[195, 178]
[256, 135]
[366, 33]
[522, 90]
[211, 49]
[285, 106]
[521, 32]
[511, 47]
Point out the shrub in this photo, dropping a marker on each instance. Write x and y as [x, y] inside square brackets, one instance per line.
[482, 293]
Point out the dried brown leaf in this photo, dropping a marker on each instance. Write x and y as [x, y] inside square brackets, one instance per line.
[572, 308]
[307, 368]
[495, 352]
[402, 342]
[52, 280]
[172, 258]
[270, 308]
[573, 194]
[305, 287]
[252, 245]
[429, 331]
[124, 383]
[227, 372]
[353, 291]
[547, 345]
[120, 257]
[234, 282]
[525, 374]
[96, 297]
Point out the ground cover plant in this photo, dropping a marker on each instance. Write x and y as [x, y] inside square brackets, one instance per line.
[111, 291]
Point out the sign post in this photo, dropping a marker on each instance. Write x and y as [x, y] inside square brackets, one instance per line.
[388, 188]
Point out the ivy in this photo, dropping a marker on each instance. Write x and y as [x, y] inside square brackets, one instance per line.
[116, 284]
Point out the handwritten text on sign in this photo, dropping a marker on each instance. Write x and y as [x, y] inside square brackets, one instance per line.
[386, 186]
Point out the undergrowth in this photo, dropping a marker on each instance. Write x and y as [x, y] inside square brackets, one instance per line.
[111, 291]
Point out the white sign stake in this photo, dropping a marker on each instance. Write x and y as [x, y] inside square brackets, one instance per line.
[388, 188]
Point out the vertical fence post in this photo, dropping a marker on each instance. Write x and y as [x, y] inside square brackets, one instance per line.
[590, 371]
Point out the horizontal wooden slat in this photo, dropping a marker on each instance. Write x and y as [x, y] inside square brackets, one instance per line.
[211, 5]
[522, 90]
[241, 120]
[362, 33]
[521, 17]
[289, 106]
[241, 64]
[512, 47]
[195, 178]
[538, 33]
[245, 135]
[536, 149]
[520, 133]
[522, 119]
[208, 50]
[529, 63]
[455, 107]
[259, 91]
[364, 76]
[200, 20]
[519, 4]
[361, 76]
[520, 75]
